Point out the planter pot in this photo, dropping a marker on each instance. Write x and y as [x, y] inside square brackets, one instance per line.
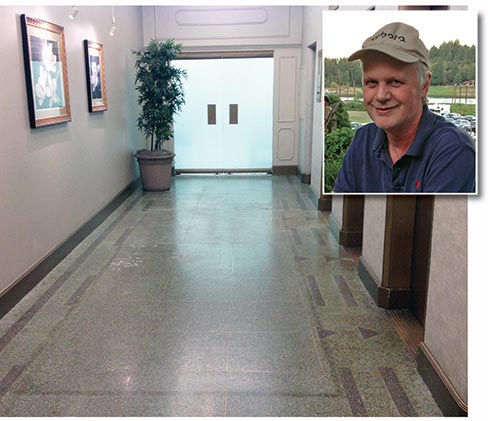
[155, 168]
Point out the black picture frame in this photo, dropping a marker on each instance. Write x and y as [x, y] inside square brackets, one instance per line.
[95, 76]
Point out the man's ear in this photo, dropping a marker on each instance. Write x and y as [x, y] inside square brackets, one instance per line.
[427, 83]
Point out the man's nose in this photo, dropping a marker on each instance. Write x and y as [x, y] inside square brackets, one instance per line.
[383, 92]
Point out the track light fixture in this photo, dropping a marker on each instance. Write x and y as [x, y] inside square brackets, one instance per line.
[112, 30]
[73, 13]
[113, 27]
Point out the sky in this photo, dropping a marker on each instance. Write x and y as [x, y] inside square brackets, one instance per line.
[345, 31]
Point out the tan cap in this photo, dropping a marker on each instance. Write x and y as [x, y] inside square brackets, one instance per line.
[398, 40]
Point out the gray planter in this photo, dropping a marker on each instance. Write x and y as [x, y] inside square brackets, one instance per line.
[155, 168]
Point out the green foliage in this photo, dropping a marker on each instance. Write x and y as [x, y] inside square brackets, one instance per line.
[342, 72]
[160, 87]
[451, 63]
[341, 112]
[355, 106]
[335, 147]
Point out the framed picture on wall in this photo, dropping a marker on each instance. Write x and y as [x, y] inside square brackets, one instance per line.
[46, 72]
[95, 76]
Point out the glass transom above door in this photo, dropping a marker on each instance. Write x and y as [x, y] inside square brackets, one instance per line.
[227, 121]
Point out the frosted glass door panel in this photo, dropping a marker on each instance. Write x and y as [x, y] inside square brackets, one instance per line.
[245, 83]
[198, 144]
[249, 84]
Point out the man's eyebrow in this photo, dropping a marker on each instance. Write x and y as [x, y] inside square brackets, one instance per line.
[396, 79]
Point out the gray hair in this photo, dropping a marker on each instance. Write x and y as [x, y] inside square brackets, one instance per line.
[422, 75]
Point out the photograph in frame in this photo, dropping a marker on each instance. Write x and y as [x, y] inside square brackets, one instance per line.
[46, 72]
[95, 76]
[451, 40]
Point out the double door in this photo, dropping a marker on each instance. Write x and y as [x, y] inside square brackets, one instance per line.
[226, 123]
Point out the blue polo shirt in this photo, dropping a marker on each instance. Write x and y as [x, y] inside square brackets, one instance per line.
[440, 159]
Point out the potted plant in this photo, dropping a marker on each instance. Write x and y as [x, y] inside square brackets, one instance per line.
[161, 95]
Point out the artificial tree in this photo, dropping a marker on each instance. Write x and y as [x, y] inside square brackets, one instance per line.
[161, 96]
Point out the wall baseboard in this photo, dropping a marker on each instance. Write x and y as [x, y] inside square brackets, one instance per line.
[304, 178]
[443, 392]
[325, 203]
[383, 297]
[368, 279]
[285, 170]
[344, 237]
[27, 282]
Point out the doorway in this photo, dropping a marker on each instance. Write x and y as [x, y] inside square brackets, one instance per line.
[226, 124]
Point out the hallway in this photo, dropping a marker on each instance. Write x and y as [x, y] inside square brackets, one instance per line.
[225, 296]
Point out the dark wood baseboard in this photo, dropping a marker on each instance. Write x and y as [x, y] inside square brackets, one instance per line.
[25, 284]
[285, 170]
[443, 392]
[368, 279]
[304, 178]
[393, 298]
[351, 238]
[344, 237]
[382, 296]
[325, 203]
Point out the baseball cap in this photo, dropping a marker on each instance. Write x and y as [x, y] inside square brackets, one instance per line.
[398, 40]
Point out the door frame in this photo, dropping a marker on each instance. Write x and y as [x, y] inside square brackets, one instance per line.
[217, 55]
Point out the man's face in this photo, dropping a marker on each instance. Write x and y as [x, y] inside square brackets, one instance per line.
[391, 92]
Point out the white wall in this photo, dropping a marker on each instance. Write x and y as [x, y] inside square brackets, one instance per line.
[374, 233]
[338, 209]
[313, 145]
[220, 28]
[446, 320]
[53, 179]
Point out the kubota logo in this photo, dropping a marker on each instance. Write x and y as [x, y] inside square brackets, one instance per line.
[389, 35]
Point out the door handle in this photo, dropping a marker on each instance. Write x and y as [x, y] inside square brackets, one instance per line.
[211, 114]
[233, 114]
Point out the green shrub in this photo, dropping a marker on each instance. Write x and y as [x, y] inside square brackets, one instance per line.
[335, 147]
[355, 105]
[341, 112]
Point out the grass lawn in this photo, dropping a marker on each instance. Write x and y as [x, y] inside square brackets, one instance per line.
[443, 91]
[363, 117]
[359, 116]
[434, 92]
[451, 91]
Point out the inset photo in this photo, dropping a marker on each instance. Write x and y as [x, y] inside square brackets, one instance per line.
[400, 101]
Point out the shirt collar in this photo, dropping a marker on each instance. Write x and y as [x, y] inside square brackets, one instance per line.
[426, 126]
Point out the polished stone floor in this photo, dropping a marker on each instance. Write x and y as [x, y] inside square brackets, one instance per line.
[225, 296]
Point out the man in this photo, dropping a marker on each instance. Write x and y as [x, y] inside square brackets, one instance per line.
[407, 148]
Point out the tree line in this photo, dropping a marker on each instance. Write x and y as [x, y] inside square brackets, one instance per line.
[451, 63]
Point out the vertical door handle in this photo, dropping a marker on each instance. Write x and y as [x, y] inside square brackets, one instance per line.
[233, 114]
[211, 114]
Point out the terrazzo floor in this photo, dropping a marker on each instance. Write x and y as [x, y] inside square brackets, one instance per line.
[225, 296]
